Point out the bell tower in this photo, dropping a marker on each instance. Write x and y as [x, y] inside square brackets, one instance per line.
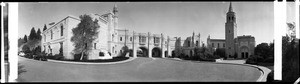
[230, 32]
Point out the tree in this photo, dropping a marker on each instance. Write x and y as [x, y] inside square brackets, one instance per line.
[25, 38]
[32, 34]
[45, 27]
[220, 52]
[263, 50]
[84, 34]
[38, 34]
[26, 49]
[290, 57]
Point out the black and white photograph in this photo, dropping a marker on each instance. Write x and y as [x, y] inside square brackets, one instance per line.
[221, 41]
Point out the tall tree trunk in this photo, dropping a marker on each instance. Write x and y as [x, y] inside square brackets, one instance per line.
[82, 53]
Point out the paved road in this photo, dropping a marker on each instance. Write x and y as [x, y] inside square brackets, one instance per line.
[140, 70]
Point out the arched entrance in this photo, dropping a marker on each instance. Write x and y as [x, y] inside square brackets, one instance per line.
[142, 52]
[173, 53]
[156, 52]
[244, 52]
[166, 54]
[191, 53]
[130, 53]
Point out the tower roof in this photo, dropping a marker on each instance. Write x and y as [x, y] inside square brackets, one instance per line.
[230, 8]
[115, 8]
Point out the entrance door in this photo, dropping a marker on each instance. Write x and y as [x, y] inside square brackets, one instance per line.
[242, 54]
[246, 54]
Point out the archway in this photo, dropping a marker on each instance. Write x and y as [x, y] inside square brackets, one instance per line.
[156, 52]
[173, 53]
[244, 51]
[191, 53]
[166, 54]
[142, 52]
[130, 53]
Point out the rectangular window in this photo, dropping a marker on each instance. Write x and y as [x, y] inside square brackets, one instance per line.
[120, 38]
[224, 45]
[130, 38]
[61, 30]
[51, 34]
[156, 39]
[212, 45]
[218, 45]
[61, 47]
[95, 45]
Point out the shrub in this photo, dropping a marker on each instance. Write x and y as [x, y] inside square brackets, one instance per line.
[58, 57]
[29, 55]
[254, 59]
[78, 56]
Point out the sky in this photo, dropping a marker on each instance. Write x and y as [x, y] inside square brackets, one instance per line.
[174, 19]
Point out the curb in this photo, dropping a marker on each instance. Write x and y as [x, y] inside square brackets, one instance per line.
[68, 62]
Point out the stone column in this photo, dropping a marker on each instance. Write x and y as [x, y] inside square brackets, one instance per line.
[133, 45]
[162, 46]
[168, 46]
[149, 45]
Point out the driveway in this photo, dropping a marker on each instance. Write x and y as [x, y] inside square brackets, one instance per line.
[139, 70]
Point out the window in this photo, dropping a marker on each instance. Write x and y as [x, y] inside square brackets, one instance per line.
[113, 49]
[229, 31]
[213, 45]
[189, 44]
[61, 30]
[156, 39]
[61, 47]
[95, 45]
[223, 44]
[197, 43]
[51, 34]
[130, 38]
[120, 38]
[228, 47]
[142, 39]
[112, 36]
[218, 45]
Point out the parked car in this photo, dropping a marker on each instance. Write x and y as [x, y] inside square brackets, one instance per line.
[104, 55]
[21, 54]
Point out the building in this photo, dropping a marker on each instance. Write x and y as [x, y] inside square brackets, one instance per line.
[246, 45]
[214, 44]
[57, 39]
[186, 47]
[239, 46]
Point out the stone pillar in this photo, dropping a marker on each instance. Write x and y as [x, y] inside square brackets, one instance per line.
[133, 45]
[168, 46]
[162, 46]
[149, 45]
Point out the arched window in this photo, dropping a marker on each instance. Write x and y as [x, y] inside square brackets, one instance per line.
[197, 43]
